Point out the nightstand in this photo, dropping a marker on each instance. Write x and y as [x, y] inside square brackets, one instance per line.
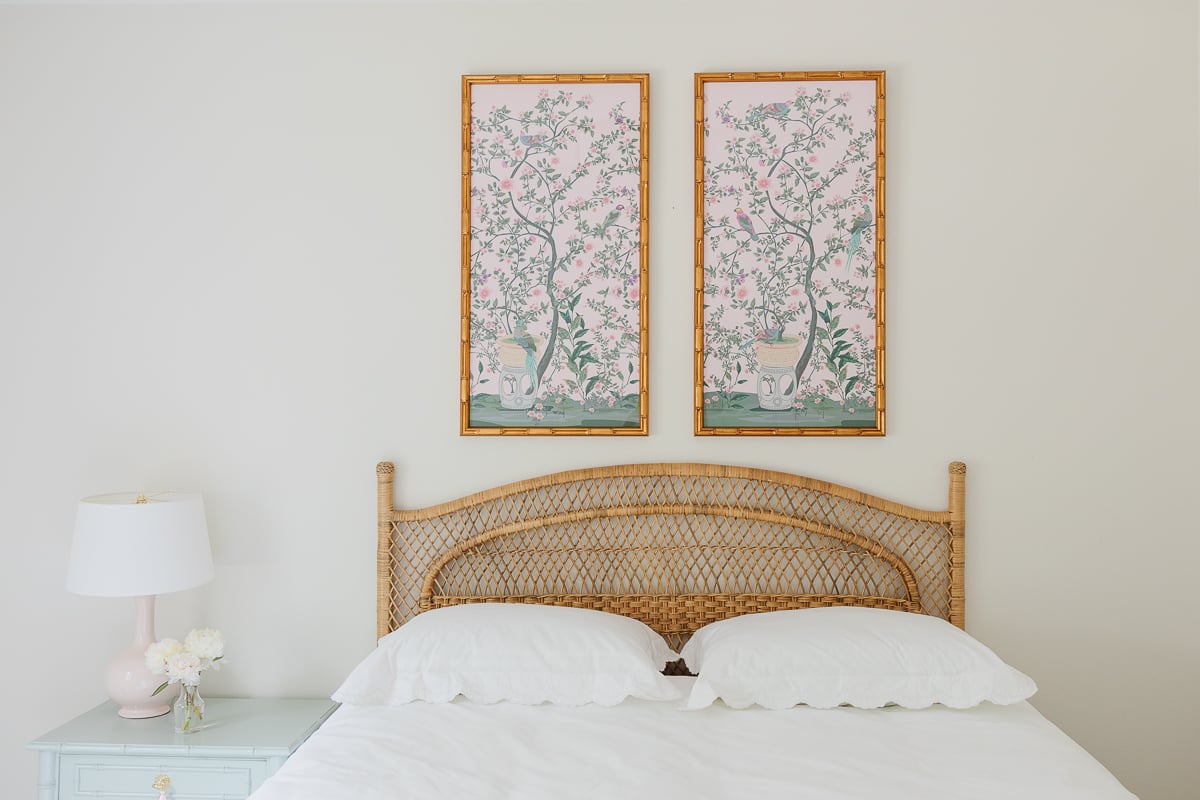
[242, 743]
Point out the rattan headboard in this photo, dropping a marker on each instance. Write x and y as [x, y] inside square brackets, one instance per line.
[674, 545]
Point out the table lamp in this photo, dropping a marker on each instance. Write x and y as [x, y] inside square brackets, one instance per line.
[139, 545]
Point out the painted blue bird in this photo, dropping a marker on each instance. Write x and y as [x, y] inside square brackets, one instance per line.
[529, 344]
[860, 224]
[532, 139]
[748, 226]
[777, 109]
[772, 335]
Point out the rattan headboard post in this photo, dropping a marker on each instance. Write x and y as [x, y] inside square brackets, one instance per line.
[958, 542]
[386, 500]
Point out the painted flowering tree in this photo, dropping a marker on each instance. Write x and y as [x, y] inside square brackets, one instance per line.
[790, 213]
[556, 255]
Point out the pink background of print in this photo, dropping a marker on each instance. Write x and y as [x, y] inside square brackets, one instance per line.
[723, 198]
[610, 290]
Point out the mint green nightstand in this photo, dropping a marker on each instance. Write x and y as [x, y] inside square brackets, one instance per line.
[243, 742]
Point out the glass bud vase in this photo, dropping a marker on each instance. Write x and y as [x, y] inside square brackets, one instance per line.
[189, 709]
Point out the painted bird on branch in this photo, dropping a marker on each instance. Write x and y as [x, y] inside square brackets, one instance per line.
[860, 224]
[611, 220]
[747, 225]
[532, 139]
[777, 109]
[771, 335]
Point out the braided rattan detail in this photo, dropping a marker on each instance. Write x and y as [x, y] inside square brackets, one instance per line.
[674, 545]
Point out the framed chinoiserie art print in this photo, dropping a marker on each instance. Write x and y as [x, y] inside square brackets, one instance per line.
[789, 279]
[555, 190]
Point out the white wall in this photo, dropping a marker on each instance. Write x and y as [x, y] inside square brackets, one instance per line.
[229, 241]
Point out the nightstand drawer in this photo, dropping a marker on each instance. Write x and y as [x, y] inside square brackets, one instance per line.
[97, 776]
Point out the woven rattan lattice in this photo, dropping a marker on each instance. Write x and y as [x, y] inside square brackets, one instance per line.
[674, 545]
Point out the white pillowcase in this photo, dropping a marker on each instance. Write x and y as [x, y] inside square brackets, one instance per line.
[528, 654]
[863, 657]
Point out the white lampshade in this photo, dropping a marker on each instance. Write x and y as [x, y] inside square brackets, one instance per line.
[126, 548]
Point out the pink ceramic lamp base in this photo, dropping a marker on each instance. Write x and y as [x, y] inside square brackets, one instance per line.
[129, 683]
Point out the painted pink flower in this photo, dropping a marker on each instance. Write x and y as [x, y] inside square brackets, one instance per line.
[484, 293]
[794, 291]
[812, 159]
[837, 262]
[579, 262]
[506, 185]
[588, 246]
[764, 183]
[850, 410]
[633, 293]
[741, 293]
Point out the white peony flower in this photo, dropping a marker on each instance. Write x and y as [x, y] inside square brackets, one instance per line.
[158, 653]
[185, 667]
[206, 643]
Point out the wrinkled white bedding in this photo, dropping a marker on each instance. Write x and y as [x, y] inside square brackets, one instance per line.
[656, 750]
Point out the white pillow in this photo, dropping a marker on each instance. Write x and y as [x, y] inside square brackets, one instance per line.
[529, 654]
[863, 657]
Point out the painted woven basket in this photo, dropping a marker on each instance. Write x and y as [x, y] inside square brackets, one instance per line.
[784, 353]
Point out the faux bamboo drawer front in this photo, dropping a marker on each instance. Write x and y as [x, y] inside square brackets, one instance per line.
[86, 777]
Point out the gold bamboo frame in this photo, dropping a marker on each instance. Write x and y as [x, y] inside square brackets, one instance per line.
[701, 79]
[643, 81]
[674, 545]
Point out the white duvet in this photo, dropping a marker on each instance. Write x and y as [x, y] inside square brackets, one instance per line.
[639, 749]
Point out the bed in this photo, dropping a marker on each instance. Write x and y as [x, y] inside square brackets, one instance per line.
[685, 550]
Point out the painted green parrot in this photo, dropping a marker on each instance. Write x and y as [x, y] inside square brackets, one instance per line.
[860, 224]
[748, 226]
[529, 345]
[610, 220]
